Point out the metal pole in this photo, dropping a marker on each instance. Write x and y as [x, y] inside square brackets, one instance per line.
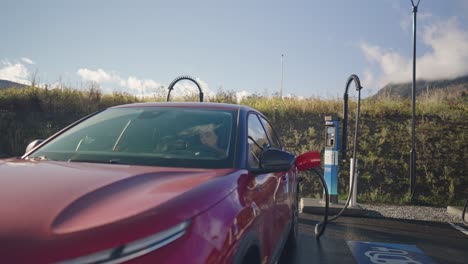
[413, 106]
[282, 66]
[353, 177]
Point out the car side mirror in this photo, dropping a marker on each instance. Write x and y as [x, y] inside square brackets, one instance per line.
[33, 144]
[274, 160]
[308, 160]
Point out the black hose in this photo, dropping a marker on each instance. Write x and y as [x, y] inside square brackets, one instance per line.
[357, 82]
[320, 227]
[344, 137]
[176, 80]
[464, 212]
[344, 134]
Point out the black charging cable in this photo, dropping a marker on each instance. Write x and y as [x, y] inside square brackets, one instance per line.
[357, 83]
[320, 227]
[464, 212]
[176, 80]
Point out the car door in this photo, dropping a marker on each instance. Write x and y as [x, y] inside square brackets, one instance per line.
[284, 197]
[266, 184]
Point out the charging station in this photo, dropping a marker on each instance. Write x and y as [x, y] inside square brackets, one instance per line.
[331, 156]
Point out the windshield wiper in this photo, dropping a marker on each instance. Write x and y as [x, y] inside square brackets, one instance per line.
[111, 161]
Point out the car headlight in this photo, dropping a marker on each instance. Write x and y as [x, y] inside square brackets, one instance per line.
[133, 249]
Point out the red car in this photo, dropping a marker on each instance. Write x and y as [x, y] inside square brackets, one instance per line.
[153, 183]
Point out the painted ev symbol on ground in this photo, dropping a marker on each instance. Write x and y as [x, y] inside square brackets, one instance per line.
[383, 255]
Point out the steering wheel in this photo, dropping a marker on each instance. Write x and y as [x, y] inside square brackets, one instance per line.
[203, 150]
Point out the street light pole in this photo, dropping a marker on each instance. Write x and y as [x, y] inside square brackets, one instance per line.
[413, 106]
[282, 67]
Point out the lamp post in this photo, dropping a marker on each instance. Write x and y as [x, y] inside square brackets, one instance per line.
[413, 106]
[282, 67]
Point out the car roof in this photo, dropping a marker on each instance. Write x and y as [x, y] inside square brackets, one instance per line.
[203, 105]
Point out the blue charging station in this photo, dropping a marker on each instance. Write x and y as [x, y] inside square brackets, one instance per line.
[331, 156]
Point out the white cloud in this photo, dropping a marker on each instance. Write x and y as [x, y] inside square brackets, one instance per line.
[98, 76]
[368, 76]
[111, 81]
[205, 88]
[293, 96]
[134, 83]
[394, 66]
[449, 58]
[446, 59]
[241, 95]
[28, 61]
[14, 72]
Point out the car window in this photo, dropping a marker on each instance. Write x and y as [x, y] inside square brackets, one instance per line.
[275, 143]
[160, 136]
[257, 140]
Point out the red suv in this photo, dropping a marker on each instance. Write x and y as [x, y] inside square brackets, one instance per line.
[152, 183]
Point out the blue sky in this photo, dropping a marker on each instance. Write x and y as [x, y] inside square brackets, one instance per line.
[137, 46]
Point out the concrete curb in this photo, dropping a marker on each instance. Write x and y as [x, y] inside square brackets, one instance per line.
[457, 211]
[316, 206]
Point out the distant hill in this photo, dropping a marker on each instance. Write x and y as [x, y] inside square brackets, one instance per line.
[4, 84]
[403, 90]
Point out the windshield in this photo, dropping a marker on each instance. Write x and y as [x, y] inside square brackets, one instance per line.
[155, 136]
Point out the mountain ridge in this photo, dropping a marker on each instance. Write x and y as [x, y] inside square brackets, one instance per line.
[5, 84]
[404, 90]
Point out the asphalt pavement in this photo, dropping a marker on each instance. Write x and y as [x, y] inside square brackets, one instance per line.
[370, 240]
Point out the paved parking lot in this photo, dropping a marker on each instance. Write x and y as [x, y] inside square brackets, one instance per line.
[426, 242]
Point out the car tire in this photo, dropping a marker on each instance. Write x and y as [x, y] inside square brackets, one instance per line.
[248, 251]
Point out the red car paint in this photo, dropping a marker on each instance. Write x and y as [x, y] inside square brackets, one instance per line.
[53, 211]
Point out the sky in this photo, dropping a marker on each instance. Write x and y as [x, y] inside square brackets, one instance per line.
[138, 46]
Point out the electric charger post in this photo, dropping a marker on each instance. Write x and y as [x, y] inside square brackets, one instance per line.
[332, 148]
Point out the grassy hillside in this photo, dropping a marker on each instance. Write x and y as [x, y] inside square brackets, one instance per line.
[442, 137]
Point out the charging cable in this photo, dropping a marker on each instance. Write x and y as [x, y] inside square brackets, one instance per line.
[320, 227]
[464, 212]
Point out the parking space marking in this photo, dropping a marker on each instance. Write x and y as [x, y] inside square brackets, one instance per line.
[385, 253]
[459, 228]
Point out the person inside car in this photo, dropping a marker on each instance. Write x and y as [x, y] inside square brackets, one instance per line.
[209, 138]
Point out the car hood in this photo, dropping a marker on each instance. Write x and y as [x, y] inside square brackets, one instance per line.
[40, 200]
